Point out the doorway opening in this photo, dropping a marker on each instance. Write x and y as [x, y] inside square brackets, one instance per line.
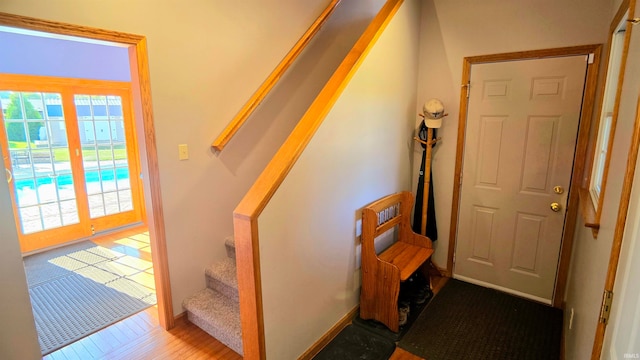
[112, 178]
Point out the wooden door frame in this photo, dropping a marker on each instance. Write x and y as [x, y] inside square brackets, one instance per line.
[578, 160]
[621, 221]
[143, 111]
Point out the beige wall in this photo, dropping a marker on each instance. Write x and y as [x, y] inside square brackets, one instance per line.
[310, 277]
[591, 256]
[206, 58]
[454, 29]
[18, 338]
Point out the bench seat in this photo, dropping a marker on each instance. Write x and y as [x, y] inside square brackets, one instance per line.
[406, 257]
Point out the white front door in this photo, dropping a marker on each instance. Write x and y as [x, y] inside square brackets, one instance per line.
[521, 133]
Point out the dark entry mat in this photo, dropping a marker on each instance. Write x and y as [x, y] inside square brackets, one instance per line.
[382, 330]
[466, 321]
[357, 343]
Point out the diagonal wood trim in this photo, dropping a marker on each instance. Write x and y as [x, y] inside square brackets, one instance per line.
[221, 141]
[261, 192]
[139, 65]
[579, 157]
[621, 220]
[616, 105]
[245, 219]
[623, 208]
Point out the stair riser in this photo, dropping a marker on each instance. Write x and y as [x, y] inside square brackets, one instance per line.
[222, 288]
[231, 252]
[232, 342]
[230, 247]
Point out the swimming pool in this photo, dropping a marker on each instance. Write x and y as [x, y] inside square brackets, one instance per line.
[67, 179]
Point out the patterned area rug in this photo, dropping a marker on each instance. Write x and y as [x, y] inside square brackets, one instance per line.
[466, 321]
[82, 288]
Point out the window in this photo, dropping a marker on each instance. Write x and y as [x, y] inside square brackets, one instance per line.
[602, 148]
[597, 178]
[70, 147]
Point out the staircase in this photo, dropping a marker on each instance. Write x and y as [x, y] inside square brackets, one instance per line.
[216, 308]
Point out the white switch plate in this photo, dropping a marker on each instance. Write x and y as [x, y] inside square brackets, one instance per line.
[183, 152]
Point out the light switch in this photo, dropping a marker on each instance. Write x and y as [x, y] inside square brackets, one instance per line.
[183, 152]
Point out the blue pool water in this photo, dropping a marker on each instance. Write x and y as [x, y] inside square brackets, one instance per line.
[90, 176]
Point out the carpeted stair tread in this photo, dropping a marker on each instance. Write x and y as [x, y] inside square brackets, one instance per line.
[230, 246]
[221, 276]
[216, 314]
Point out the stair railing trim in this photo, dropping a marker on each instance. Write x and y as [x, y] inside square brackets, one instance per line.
[241, 117]
[247, 212]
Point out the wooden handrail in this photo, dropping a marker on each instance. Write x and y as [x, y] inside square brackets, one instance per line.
[221, 141]
[245, 216]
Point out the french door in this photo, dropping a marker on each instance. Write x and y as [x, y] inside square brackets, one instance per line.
[70, 151]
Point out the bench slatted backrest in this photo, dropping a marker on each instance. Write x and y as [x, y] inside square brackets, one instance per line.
[382, 215]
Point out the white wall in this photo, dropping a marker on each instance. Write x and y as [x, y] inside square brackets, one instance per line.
[18, 338]
[454, 29]
[360, 153]
[622, 335]
[590, 257]
[206, 58]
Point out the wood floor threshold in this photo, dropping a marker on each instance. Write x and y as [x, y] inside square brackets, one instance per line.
[401, 354]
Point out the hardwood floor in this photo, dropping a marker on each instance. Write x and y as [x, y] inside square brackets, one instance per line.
[401, 354]
[132, 241]
[141, 336]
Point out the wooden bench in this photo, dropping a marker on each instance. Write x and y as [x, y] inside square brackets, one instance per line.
[382, 273]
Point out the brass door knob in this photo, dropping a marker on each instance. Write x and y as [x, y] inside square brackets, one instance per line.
[555, 207]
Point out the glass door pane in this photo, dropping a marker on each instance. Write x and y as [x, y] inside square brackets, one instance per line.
[104, 154]
[39, 156]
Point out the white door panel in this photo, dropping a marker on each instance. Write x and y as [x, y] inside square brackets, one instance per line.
[520, 139]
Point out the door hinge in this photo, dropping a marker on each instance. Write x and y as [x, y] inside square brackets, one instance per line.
[93, 230]
[468, 86]
[460, 182]
[607, 299]
[590, 58]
